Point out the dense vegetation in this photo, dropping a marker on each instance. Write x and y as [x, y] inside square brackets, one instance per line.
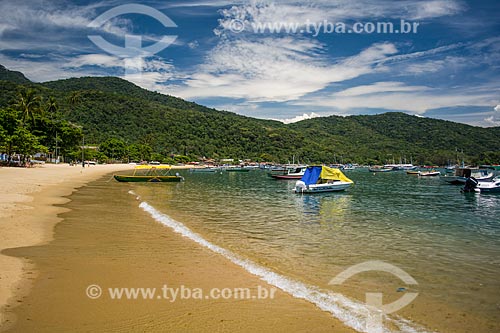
[33, 125]
[128, 122]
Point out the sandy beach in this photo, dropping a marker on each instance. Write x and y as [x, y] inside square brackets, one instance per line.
[103, 238]
[28, 214]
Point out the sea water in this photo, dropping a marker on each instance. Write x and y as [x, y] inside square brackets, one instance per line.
[446, 241]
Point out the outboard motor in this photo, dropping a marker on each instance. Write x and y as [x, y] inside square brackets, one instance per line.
[300, 186]
[470, 185]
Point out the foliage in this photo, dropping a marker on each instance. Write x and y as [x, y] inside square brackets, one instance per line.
[128, 122]
[26, 130]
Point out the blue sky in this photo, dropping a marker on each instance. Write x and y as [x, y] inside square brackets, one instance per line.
[448, 68]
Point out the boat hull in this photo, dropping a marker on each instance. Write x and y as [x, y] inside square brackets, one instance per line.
[429, 174]
[380, 170]
[207, 170]
[489, 187]
[238, 170]
[286, 176]
[454, 180]
[148, 179]
[322, 188]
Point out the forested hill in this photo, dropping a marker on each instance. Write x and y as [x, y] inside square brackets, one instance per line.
[12, 76]
[112, 108]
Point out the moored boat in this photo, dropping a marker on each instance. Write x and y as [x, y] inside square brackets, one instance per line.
[150, 174]
[461, 175]
[489, 186]
[378, 168]
[400, 167]
[431, 173]
[205, 170]
[318, 179]
[295, 173]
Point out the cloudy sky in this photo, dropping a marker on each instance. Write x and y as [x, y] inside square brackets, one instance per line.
[324, 59]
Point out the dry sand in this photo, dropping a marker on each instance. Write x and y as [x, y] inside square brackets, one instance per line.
[105, 239]
[27, 214]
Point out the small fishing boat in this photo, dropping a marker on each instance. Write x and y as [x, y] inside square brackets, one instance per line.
[295, 173]
[150, 174]
[318, 179]
[489, 186]
[431, 173]
[461, 175]
[205, 170]
[400, 167]
[413, 172]
[378, 168]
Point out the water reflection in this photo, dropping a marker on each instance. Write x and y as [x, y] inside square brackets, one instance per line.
[323, 209]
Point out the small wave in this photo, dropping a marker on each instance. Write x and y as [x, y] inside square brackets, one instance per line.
[350, 312]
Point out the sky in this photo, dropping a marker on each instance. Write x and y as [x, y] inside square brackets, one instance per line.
[283, 60]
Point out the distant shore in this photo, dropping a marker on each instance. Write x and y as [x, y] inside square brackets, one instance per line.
[28, 214]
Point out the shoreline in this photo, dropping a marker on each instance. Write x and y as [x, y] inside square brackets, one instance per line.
[29, 209]
[105, 238]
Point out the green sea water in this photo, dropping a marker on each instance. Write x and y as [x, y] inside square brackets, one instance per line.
[447, 241]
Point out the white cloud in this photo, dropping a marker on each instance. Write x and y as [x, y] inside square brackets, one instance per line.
[275, 69]
[437, 8]
[299, 118]
[413, 99]
[37, 15]
[379, 87]
[39, 72]
[336, 11]
[494, 119]
[101, 60]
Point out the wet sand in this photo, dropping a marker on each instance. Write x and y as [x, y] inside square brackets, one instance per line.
[27, 215]
[105, 239]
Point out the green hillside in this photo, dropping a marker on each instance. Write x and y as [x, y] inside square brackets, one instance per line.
[12, 76]
[116, 113]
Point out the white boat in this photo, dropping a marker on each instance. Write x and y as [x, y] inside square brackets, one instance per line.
[431, 173]
[295, 173]
[318, 179]
[397, 167]
[489, 187]
[205, 170]
[461, 175]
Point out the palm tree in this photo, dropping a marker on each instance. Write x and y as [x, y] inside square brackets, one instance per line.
[75, 98]
[51, 107]
[29, 104]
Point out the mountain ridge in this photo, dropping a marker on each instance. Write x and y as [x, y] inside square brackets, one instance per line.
[111, 107]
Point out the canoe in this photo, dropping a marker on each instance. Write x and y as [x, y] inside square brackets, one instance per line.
[147, 179]
[150, 174]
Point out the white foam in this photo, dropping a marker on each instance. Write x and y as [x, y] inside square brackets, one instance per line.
[350, 312]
